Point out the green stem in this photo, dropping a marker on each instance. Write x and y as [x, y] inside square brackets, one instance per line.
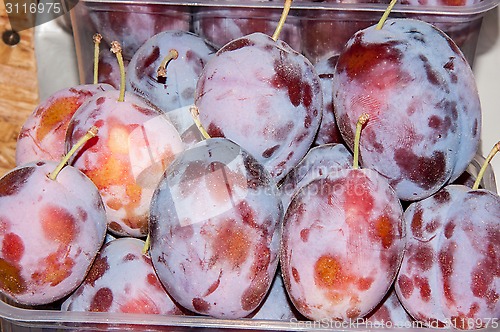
[281, 23]
[386, 15]
[117, 50]
[147, 245]
[480, 175]
[97, 41]
[92, 132]
[195, 113]
[359, 125]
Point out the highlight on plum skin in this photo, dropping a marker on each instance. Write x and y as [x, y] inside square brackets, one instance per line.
[51, 230]
[215, 228]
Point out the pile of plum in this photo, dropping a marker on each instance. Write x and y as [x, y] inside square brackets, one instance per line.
[243, 181]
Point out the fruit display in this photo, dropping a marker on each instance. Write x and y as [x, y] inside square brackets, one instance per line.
[231, 178]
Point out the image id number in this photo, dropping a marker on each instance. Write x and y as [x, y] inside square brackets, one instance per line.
[33, 8]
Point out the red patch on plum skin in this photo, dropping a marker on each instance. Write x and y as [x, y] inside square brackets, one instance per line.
[445, 260]
[14, 181]
[54, 268]
[304, 234]
[424, 288]
[362, 57]
[254, 294]
[484, 275]
[98, 269]
[405, 285]
[102, 300]
[214, 131]
[288, 76]
[12, 247]
[270, 151]
[236, 45]
[417, 223]
[365, 284]
[231, 244]
[147, 62]
[201, 305]
[425, 172]
[422, 257]
[296, 275]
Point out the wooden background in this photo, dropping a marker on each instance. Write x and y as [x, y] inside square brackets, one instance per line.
[18, 89]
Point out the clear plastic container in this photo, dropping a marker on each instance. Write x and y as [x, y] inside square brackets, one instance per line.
[462, 23]
[317, 28]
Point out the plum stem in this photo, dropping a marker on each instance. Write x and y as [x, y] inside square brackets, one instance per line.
[92, 132]
[162, 69]
[480, 175]
[281, 23]
[195, 113]
[117, 50]
[359, 125]
[97, 41]
[384, 17]
[147, 245]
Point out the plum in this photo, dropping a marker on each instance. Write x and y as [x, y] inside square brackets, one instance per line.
[135, 145]
[423, 102]
[328, 131]
[318, 162]
[177, 88]
[450, 271]
[215, 226]
[50, 231]
[342, 243]
[42, 136]
[264, 96]
[122, 279]
[449, 275]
